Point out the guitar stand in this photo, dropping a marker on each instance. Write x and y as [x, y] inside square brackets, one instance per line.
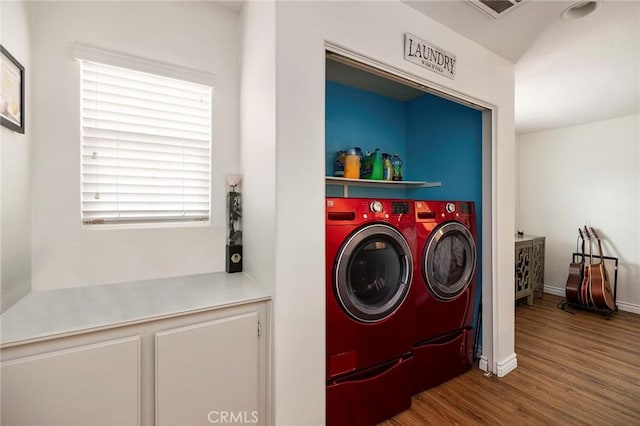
[604, 311]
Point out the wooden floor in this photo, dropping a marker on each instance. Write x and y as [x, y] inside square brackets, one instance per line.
[573, 369]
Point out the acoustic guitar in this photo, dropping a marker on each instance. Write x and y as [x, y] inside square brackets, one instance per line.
[574, 280]
[601, 294]
[585, 287]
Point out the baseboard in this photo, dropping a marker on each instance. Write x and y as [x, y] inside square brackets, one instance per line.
[483, 364]
[506, 366]
[556, 291]
[628, 307]
[622, 306]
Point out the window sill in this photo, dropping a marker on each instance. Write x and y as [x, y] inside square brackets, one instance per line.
[154, 225]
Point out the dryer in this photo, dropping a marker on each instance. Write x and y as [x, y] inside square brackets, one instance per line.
[370, 307]
[445, 290]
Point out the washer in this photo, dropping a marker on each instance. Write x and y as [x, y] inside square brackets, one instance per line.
[370, 308]
[445, 290]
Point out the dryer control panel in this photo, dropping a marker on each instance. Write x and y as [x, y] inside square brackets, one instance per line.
[438, 210]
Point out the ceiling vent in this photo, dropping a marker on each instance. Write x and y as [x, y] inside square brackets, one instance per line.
[496, 8]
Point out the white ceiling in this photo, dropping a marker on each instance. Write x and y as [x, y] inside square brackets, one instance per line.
[581, 71]
[568, 72]
[509, 36]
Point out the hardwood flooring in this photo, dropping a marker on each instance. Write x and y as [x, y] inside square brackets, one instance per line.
[573, 369]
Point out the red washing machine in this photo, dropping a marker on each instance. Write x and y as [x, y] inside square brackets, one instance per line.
[445, 289]
[370, 252]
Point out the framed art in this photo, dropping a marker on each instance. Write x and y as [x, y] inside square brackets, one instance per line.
[11, 92]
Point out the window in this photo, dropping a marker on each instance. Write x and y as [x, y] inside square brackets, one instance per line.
[146, 147]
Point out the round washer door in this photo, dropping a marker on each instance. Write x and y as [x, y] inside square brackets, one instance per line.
[373, 272]
[449, 260]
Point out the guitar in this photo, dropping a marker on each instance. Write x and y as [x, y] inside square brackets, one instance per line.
[600, 288]
[574, 280]
[585, 288]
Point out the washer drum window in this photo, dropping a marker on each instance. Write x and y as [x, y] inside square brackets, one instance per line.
[373, 272]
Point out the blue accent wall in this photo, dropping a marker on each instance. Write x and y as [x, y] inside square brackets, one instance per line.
[358, 118]
[444, 144]
[355, 117]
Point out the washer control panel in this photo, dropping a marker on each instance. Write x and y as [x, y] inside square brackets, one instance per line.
[399, 208]
[348, 210]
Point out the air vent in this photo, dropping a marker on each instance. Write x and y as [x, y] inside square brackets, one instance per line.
[496, 8]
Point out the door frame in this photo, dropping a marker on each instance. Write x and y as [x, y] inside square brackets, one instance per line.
[490, 298]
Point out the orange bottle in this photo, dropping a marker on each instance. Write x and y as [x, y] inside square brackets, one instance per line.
[352, 165]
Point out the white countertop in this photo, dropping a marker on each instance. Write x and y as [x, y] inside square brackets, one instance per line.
[56, 313]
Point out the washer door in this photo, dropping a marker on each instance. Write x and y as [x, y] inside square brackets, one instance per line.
[373, 272]
[449, 260]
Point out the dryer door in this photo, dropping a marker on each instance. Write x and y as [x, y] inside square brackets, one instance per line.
[372, 273]
[449, 260]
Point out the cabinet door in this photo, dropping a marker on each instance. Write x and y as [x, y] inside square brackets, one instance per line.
[96, 384]
[522, 272]
[209, 372]
[537, 265]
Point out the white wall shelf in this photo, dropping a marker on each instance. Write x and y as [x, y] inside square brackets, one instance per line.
[402, 184]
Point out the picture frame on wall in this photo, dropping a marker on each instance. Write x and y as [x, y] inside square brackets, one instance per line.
[11, 92]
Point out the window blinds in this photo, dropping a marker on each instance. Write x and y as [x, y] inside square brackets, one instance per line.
[146, 147]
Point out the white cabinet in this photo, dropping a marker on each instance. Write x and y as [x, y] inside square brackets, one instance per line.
[94, 384]
[188, 369]
[209, 371]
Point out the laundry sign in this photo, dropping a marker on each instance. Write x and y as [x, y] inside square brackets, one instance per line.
[429, 56]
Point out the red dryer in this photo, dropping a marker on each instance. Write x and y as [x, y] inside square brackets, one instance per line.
[445, 291]
[370, 306]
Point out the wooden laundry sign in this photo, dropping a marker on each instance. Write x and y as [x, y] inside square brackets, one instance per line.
[429, 56]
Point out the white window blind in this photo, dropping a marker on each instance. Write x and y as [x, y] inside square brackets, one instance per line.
[146, 147]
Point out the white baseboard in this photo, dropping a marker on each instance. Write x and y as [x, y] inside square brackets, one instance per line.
[622, 306]
[507, 365]
[483, 364]
[628, 307]
[556, 291]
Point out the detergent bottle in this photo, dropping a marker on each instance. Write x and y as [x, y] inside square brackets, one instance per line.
[338, 165]
[352, 165]
[366, 168]
[387, 168]
[396, 162]
[376, 167]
